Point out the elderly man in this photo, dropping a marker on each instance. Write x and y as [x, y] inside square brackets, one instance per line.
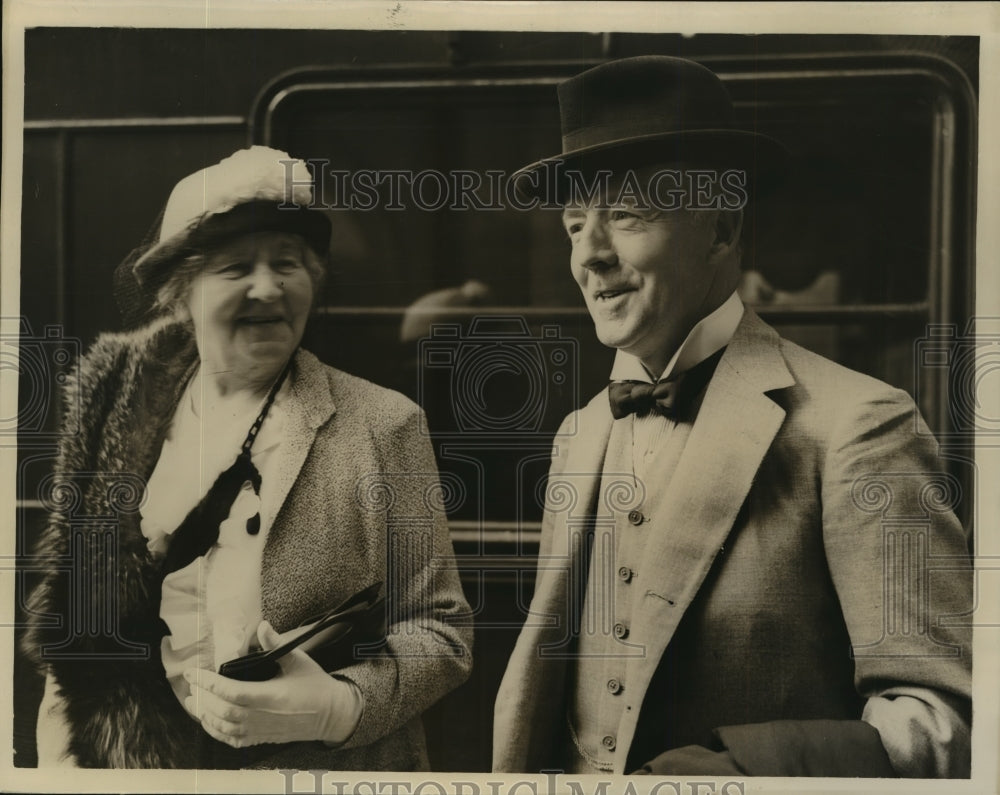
[717, 590]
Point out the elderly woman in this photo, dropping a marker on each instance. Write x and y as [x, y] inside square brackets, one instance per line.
[275, 488]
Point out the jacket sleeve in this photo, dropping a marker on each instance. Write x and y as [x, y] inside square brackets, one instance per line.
[428, 648]
[899, 561]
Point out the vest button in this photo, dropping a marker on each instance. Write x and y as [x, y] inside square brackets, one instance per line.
[608, 742]
[621, 631]
[625, 574]
[635, 517]
[614, 687]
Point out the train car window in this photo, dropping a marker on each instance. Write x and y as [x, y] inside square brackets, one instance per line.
[865, 243]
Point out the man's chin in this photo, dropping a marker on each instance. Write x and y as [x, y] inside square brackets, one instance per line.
[613, 337]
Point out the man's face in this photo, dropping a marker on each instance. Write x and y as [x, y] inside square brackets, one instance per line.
[647, 275]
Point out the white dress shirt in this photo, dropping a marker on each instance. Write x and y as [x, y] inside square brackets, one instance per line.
[712, 333]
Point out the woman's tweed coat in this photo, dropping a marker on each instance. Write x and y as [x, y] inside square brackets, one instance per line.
[361, 503]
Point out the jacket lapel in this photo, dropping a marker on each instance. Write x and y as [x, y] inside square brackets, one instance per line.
[311, 405]
[572, 498]
[734, 429]
[530, 711]
[573, 492]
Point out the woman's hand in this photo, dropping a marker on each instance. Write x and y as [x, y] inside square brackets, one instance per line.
[303, 702]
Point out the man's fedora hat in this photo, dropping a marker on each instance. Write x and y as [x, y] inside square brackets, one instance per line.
[643, 110]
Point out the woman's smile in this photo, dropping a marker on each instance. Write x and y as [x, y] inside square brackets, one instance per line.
[249, 307]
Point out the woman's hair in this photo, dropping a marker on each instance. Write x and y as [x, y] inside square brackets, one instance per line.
[172, 296]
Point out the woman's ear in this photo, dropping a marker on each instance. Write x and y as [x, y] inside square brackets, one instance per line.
[173, 305]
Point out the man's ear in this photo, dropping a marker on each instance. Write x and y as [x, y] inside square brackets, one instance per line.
[728, 228]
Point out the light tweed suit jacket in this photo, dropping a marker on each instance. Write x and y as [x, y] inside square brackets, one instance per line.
[805, 572]
[360, 502]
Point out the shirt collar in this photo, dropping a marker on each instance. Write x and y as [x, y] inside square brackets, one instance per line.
[709, 334]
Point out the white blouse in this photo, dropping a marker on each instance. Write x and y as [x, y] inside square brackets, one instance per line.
[213, 605]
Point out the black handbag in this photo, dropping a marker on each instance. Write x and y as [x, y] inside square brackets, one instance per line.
[332, 639]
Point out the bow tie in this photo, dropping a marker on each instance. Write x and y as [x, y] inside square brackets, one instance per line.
[671, 398]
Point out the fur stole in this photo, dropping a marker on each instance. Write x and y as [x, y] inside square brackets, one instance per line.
[95, 622]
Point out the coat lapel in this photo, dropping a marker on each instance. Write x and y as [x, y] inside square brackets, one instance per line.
[572, 499]
[572, 492]
[734, 429]
[530, 712]
[310, 407]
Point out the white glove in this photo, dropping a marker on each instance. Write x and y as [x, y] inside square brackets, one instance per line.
[303, 702]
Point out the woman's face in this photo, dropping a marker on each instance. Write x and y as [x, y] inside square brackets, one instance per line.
[249, 305]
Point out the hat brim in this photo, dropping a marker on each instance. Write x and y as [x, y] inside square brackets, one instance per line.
[761, 157]
[153, 268]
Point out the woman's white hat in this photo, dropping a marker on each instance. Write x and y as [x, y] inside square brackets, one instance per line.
[254, 189]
